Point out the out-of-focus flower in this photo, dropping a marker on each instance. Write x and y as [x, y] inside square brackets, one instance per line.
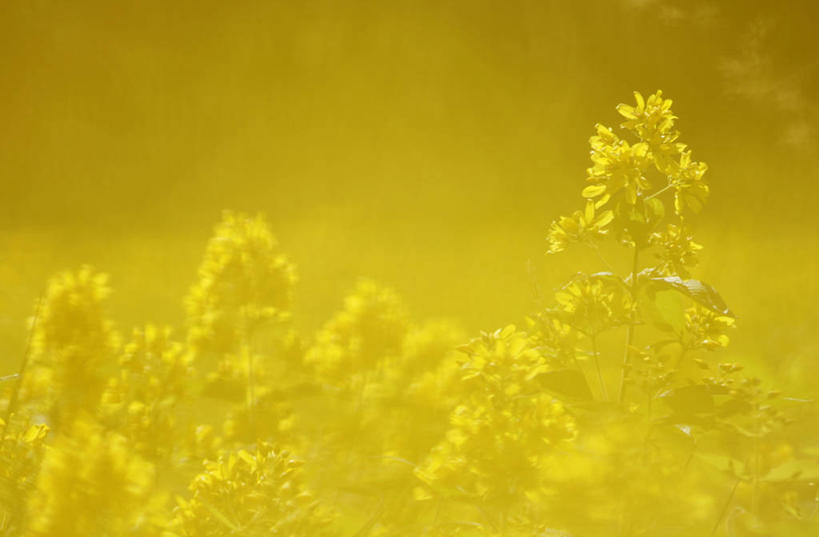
[141, 401]
[74, 342]
[91, 483]
[371, 326]
[592, 304]
[21, 453]
[244, 280]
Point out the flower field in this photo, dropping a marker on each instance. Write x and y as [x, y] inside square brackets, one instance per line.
[616, 407]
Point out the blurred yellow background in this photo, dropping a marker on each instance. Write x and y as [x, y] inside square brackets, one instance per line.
[424, 144]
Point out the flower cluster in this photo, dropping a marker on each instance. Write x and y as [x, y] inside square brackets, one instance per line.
[73, 344]
[371, 326]
[258, 493]
[677, 251]
[585, 226]
[593, 304]
[91, 483]
[244, 281]
[502, 430]
[611, 413]
[142, 400]
[627, 179]
[21, 454]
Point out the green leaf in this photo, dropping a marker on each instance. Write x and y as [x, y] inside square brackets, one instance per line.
[567, 382]
[696, 290]
[666, 310]
[732, 407]
[689, 400]
[795, 470]
[655, 208]
[725, 463]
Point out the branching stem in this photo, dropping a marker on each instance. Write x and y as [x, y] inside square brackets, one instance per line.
[603, 390]
[662, 190]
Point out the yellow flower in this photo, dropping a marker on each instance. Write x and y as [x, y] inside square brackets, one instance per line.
[74, 341]
[21, 452]
[592, 304]
[244, 280]
[556, 339]
[690, 188]
[653, 122]
[92, 484]
[371, 327]
[677, 250]
[140, 402]
[617, 166]
[503, 429]
[72, 324]
[581, 227]
[705, 329]
[254, 494]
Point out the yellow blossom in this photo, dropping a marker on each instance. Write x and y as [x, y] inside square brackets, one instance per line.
[581, 227]
[244, 280]
[91, 483]
[253, 493]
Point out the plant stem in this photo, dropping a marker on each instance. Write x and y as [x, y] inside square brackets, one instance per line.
[630, 328]
[251, 389]
[666, 187]
[678, 361]
[250, 393]
[15, 394]
[724, 508]
[603, 390]
[757, 462]
[596, 249]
